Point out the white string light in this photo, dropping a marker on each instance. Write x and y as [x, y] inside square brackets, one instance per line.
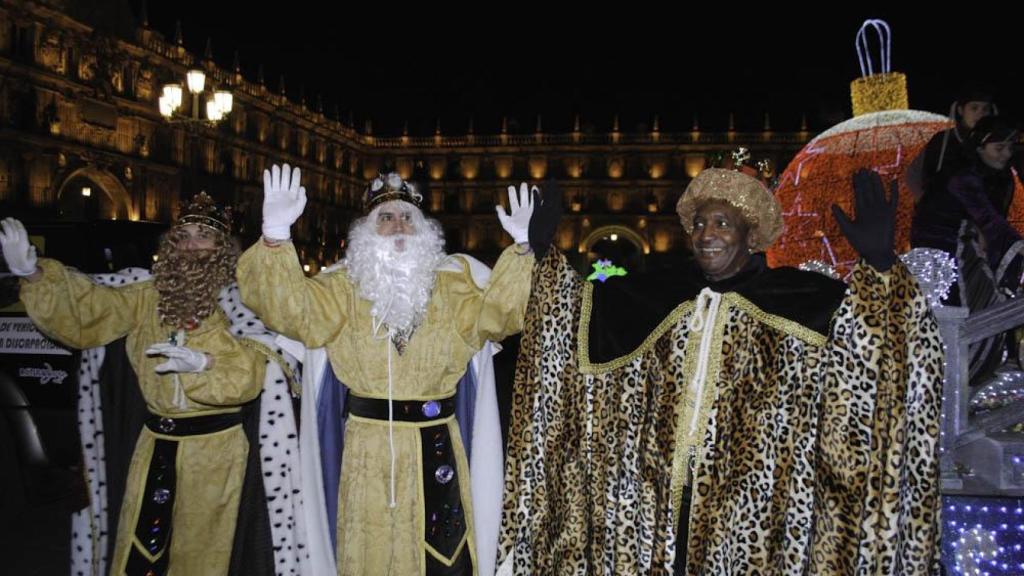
[935, 271]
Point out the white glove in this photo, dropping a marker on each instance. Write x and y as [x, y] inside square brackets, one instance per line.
[20, 255]
[518, 223]
[179, 358]
[283, 201]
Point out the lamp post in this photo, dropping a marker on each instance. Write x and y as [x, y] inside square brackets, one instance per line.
[218, 103]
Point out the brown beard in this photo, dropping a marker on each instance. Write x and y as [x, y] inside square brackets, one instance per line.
[189, 281]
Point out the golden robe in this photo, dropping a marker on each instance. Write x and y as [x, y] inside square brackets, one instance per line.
[68, 307]
[326, 311]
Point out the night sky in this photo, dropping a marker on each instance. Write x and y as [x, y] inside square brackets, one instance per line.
[395, 65]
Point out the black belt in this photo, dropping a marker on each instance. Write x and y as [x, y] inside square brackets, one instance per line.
[194, 425]
[404, 410]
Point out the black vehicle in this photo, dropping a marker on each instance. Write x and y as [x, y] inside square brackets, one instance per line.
[41, 476]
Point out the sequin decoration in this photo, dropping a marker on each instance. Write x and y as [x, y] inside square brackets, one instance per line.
[746, 193]
[161, 495]
[444, 474]
[431, 409]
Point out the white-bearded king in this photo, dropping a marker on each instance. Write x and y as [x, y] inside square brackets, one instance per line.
[399, 321]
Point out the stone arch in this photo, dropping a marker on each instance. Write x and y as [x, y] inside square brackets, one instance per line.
[105, 183]
[623, 231]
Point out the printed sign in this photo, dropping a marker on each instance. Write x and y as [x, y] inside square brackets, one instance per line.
[46, 374]
[20, 336]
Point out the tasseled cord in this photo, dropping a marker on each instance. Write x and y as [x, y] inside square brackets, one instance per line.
[377, 322]
[702, 321]
[179, 400]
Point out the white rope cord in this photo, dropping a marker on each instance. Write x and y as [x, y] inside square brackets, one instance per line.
[377, 322]
[702, 321]
[391, 424]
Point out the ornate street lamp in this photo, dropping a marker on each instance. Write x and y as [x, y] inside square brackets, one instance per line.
[218, 103]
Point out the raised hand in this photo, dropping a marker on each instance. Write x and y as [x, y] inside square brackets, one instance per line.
[18, 252]
[517, 224]
[283, 201]
[872, 232]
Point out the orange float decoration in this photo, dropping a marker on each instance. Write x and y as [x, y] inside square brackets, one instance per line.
[883, 136]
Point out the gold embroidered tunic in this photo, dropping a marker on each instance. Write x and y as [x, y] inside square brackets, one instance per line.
[326, 311]
[70, 308]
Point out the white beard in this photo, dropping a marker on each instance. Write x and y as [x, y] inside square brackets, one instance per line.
[398, 283]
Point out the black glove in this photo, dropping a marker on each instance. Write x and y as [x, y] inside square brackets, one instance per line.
[872, 233]
[547, 213]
